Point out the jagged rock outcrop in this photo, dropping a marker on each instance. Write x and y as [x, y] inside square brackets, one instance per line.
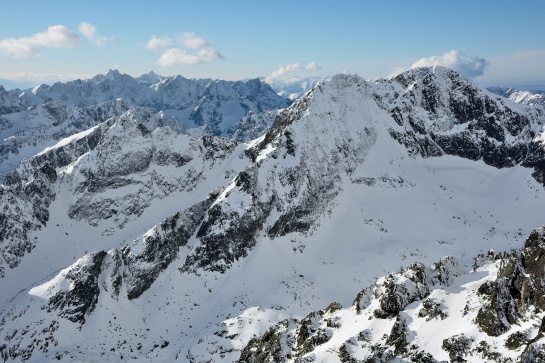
[27, 132]
[8, 104]
[439, 112]
[384, 300]
[518, 289]
[159, 247]
[409, 334]
[416, 284]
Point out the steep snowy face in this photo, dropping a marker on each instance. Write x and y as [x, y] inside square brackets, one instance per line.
[325, 138]
[29, 131]
[204, 244]
[9, 103]
[105, 177]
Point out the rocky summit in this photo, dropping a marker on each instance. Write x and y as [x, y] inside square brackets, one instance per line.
[375, 221]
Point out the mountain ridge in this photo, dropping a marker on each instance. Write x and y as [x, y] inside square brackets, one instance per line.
[36, 118]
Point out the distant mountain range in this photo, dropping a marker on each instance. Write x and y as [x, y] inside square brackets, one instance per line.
[531, 98]
[393, 220]
[33, 119]
[294, 87]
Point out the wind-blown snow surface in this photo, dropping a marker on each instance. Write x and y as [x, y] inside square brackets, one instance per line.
[339, 192]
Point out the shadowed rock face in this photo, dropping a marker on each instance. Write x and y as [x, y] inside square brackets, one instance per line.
[82, 298]
[161, 248]
[462, 120]
[518, 287]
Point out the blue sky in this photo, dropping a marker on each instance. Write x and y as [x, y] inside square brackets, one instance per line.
[490, 41]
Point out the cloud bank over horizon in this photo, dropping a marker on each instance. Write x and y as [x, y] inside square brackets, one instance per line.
[290, 68]
[56, 36]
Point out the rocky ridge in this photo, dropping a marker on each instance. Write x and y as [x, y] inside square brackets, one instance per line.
[414, 315]
[142, 165]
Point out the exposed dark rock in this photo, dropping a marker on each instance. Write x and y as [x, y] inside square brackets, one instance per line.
[519, 285]
[310, 334]
[161, 248]
[431, 310]
[516, 340]
[457, 346]
[394, 296]
[398, 336]
[534, 353]
[80, 300]
[270, 347]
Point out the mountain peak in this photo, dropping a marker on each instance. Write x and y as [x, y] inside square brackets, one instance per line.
[113, 73]
[150, 78]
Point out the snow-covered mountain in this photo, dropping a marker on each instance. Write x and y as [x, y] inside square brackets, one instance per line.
[195, 248]
[523, 97]
[37, 118]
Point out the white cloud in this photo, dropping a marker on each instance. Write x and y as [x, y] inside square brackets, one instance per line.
[192, 50]
[158, 43]
[192, 41]
[89, 31]
[469, 66]
[56, 36]
[177, 56]
[290, 68]
[311, 66]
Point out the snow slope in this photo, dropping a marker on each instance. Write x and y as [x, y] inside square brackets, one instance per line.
[190, 259]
